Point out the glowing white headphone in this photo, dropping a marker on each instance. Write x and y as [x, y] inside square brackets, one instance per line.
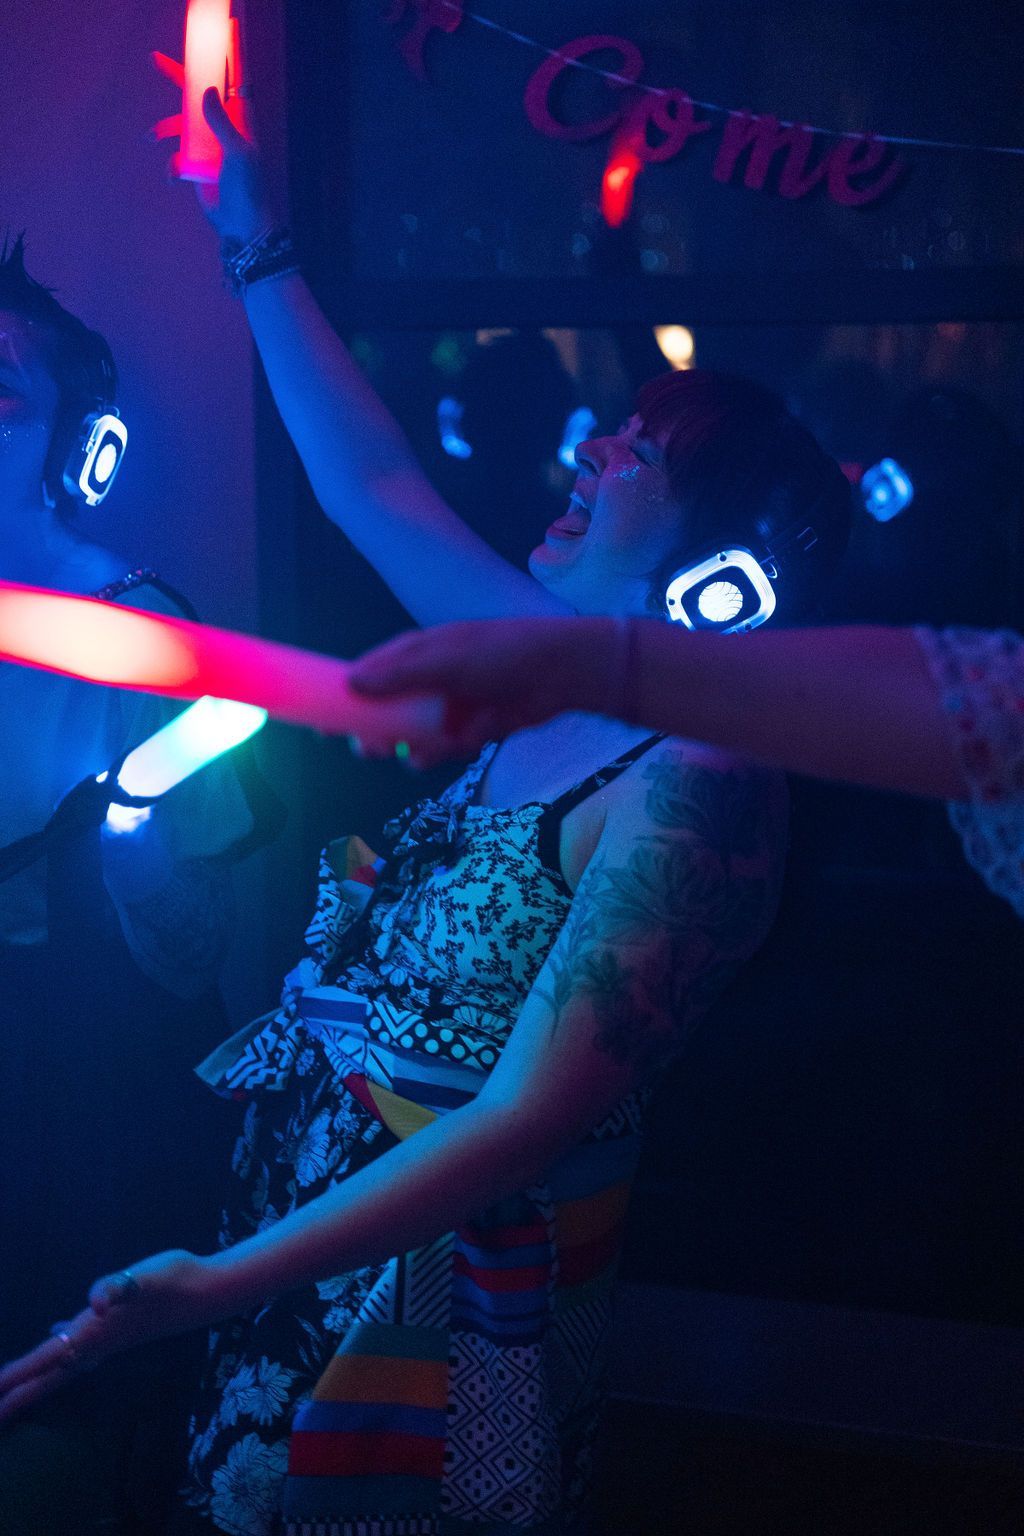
[95, 457]
[730, 590]
[88, 445]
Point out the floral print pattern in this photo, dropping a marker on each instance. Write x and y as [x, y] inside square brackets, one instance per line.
[981, 677]
[260, 1367]
[245, 1488]
[461, 918]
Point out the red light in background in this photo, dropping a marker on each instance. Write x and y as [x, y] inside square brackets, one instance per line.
[618, 185]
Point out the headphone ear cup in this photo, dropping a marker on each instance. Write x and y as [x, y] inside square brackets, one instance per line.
[81, 464]
[728, 591]
[96, 457]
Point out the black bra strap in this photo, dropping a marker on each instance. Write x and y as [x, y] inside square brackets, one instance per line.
[579, 792]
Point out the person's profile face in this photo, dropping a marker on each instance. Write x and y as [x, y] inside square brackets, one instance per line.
[621, 523]
[28, 407]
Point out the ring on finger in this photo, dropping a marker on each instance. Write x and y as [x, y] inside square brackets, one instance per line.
[130, 1287]
[69, 1357]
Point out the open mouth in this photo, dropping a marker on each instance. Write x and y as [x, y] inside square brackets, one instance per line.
[575, 522]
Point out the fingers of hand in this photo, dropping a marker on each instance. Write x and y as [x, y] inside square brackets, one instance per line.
[52, 1355]
[113, 1291]
[218, 120]
[243, 117]
[101, 1297]
[16, 1399]
[427, 662]
[382, 671]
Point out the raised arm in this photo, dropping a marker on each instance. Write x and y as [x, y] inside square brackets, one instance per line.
[362, 469]
[680, 891]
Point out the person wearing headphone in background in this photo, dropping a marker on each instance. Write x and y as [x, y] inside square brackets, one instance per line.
[97, 1102]
[443, 1118]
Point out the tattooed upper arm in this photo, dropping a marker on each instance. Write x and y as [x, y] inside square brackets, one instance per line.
[681, 890]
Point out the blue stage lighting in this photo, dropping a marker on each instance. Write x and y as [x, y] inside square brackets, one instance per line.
[449, 425]
[887, 490]
[578, 428]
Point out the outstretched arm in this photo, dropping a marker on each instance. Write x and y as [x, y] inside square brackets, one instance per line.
[854, 704]
[681, 889]
[362, 469]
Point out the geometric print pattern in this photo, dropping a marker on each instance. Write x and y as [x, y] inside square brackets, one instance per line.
[381, 1527]
[576, 1339]
[415, 1288]
[453, 1387]
[501, 1457]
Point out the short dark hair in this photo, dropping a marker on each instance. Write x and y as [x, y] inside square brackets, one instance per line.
[79, 359]
[746, 472]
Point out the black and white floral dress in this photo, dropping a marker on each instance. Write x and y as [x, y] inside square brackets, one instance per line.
[451, 1390]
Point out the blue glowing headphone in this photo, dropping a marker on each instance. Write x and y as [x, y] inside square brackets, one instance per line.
[579, 425]
[730, 590]
[89, 439]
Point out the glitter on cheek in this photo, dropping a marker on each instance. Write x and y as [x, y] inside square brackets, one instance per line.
[628, 472]
[22, 440]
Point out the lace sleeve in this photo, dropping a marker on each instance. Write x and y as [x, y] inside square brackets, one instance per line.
[980, 675]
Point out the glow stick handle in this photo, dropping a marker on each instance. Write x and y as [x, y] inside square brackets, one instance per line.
[126, 648]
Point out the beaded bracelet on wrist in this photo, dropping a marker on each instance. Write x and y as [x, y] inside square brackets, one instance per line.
[271, 254]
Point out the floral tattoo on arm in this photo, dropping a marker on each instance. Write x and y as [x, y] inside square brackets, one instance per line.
[651, 943]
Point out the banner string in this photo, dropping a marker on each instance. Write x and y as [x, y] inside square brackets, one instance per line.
[714, 106]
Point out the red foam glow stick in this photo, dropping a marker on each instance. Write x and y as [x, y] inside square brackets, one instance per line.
[213, 57]
[126, 648]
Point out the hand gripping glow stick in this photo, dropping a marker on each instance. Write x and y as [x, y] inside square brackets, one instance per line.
[213, 56]
[126, 648]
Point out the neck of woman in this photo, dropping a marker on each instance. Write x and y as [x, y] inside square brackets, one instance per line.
[36, 546]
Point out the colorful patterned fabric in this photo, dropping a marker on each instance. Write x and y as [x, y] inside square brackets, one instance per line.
[981, 678]
[453, 1389]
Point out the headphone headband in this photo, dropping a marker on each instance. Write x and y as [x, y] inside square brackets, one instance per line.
[797, 538]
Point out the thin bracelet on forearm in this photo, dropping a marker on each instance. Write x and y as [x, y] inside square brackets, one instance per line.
[271, 254]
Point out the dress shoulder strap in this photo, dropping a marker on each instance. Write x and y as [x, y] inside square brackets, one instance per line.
[570, 798]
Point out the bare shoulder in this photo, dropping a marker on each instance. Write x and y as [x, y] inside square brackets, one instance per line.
[681, 890]
[686, 789]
